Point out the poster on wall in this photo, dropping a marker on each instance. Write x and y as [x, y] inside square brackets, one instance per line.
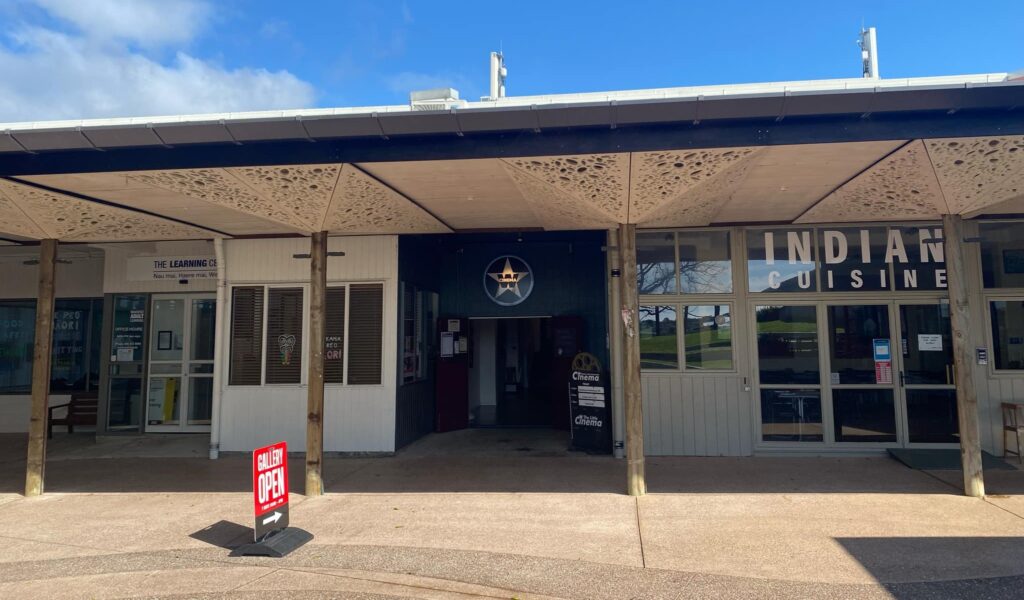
[589, 405]
[129, 329]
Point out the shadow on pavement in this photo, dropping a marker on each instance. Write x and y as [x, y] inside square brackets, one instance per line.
[224, 534]
[487, 462]
[938, 561]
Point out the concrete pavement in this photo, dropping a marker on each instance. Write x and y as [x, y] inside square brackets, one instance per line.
[516, 518]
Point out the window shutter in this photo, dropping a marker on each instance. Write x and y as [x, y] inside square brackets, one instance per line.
[334, 337]
[284, 335]
[366, 322]
[246, 335]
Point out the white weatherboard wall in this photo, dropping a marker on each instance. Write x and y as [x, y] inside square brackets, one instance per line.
[356, 418]
[81, 278]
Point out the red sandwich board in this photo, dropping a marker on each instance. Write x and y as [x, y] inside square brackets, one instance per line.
[270, 489]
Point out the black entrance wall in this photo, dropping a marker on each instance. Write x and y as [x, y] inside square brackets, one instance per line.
[569, 272]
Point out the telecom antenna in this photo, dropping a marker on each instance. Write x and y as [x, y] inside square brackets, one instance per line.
[498, 74]
[868, 53]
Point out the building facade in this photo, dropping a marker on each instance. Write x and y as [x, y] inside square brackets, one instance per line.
[753, 340]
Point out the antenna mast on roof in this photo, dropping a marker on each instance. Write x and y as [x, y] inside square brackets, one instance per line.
[868, 53]
[498, 74]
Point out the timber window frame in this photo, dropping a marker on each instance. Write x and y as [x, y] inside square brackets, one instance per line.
[339, 331]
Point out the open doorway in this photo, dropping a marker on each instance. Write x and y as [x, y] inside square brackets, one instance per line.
[510, 383]
[516, 374]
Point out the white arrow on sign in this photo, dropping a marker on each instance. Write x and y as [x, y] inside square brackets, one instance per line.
[274, 518]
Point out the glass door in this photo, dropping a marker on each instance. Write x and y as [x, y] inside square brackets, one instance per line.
[861, 378]
[926, 375]
[789, 373]
[180, 391]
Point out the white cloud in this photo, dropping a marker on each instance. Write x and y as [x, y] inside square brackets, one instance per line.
[144, 22]
[49, 74]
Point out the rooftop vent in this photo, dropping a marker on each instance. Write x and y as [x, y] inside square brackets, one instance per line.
[436, 99]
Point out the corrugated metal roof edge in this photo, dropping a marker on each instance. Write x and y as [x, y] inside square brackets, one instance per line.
[671, 105]
[821, 86]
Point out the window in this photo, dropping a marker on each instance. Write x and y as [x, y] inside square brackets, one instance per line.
[656, 260]
[922, 264]
[284, 336]
[334, 336]
[74, 359]
[1007, 334]
[781, 261]
[706, 343]
[705, 262]
[76, 338]
[365, 333]
[419, 322]
[853, 259]
[707, 337]
[1002, 254]
[246, 335]
[659, 346]
[849, 259]
[353, 333]
[691, 262]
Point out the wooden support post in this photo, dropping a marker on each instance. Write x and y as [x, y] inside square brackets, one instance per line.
[636, 484]
[35, 473]
[966, 396]
[315, 383]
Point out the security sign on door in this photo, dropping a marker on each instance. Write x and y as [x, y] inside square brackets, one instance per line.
[270, 488]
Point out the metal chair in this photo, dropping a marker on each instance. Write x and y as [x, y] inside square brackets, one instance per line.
[1013, 421]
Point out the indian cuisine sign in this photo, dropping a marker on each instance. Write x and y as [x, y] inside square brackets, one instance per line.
[846, 259]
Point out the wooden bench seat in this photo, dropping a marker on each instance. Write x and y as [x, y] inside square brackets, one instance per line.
[81, 411]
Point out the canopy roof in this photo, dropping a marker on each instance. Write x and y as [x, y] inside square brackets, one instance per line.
[793, 152]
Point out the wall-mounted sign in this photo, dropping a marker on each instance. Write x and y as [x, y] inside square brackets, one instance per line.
[982, 354]
[508, 280]
[174, 268]
[848, 258]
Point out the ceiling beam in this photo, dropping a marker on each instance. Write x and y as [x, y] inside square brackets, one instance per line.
[100, 201]
[797, 218]
[384, 184]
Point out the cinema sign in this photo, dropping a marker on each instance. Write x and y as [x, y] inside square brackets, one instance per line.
[848, 259]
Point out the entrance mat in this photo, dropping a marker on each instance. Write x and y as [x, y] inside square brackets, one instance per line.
[943, 460]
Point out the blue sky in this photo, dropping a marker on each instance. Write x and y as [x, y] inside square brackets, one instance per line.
[87, 58]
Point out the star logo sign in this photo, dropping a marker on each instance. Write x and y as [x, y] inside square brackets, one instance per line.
[508, 280]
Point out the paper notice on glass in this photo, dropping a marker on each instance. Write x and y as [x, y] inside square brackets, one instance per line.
[125, 354]
[463, 344]
[454, 325]
[447, 345]
[883, 371]
[930, 342]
